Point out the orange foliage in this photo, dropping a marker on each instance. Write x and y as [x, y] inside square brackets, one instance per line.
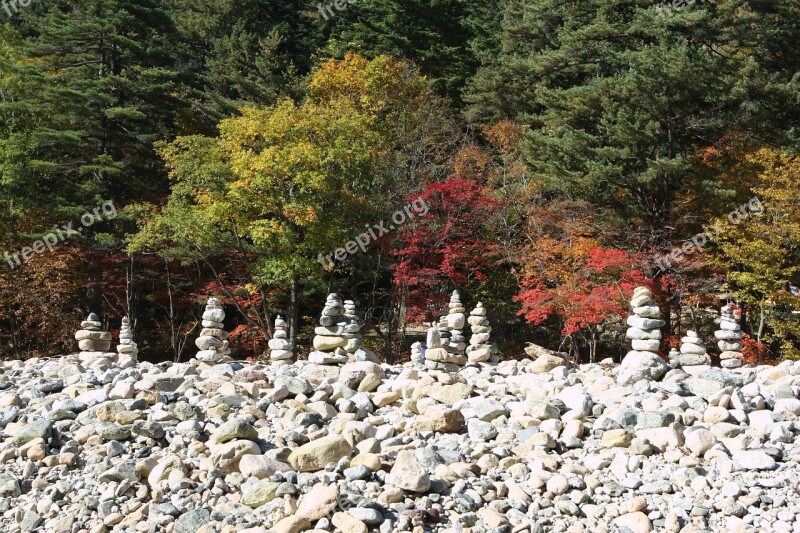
[43, 301]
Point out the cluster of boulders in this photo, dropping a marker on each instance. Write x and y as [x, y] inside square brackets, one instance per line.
[528, 445]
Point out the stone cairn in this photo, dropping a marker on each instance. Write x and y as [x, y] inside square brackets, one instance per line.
[456, 319]
[729, 338]
[480, 349]
[645, 323]
[213, 339]
[674, 356]
[437, 356]
[416, 353]
[127, 350]
[94, 343]
[329, 338]
[352, 332]
[693, 352]
[444, 335]
[280, 347]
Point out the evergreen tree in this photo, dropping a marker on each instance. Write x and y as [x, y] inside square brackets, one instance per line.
[236, 52]
[619, 95]
[93, 88]
[435, 35]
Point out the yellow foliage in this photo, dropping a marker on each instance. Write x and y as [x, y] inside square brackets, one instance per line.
[760, 254]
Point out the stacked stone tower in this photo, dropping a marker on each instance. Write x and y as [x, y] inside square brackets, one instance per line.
[213, 339]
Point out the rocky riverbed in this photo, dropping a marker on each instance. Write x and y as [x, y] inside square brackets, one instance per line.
[519, 446]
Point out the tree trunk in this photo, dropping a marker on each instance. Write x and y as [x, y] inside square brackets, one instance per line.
[294, 312]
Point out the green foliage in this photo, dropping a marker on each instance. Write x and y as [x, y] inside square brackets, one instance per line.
[288, 182]
[618, 98]
[434, 35]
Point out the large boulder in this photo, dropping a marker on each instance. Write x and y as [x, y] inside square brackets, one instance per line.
[641, 365]
[314, 455]
[408, 473]
[442, 420]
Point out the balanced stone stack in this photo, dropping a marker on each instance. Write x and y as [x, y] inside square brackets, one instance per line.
[674, 356]
[456, 319]
[330, 337]
[280, 346]
[352, 332]
[94, 344]
[416, 354]
[693, 352]
[480, 349]
[437, 355]
[643, 361]
[127, 350]
[729, 337]
[444, 334]
[213, 339]
[645, 323]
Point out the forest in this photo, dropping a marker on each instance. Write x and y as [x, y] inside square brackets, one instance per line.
[543, 157]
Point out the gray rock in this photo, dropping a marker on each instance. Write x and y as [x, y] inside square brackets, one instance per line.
[30, 521]
[481, 431]
[235, 429]
[111, 431]
[37, 429]
[641, 365]
[753, 460]
[357, 472]
[191, 521]
[371, 517]
[654, 419]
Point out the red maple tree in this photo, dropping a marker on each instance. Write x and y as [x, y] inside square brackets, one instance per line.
[445, 248]
[567, 274]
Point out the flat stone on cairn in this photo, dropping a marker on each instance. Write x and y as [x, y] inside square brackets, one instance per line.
[693, 352]
[94, 344]
[280, 346]
[330, 340]
[643, 361]
[127, 350]
[213, 339]
[729, 338]
[480, 349]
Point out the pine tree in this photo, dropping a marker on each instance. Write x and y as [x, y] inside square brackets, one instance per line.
[618, 96]
[237, 52]
[435, 35]
[94, 90]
